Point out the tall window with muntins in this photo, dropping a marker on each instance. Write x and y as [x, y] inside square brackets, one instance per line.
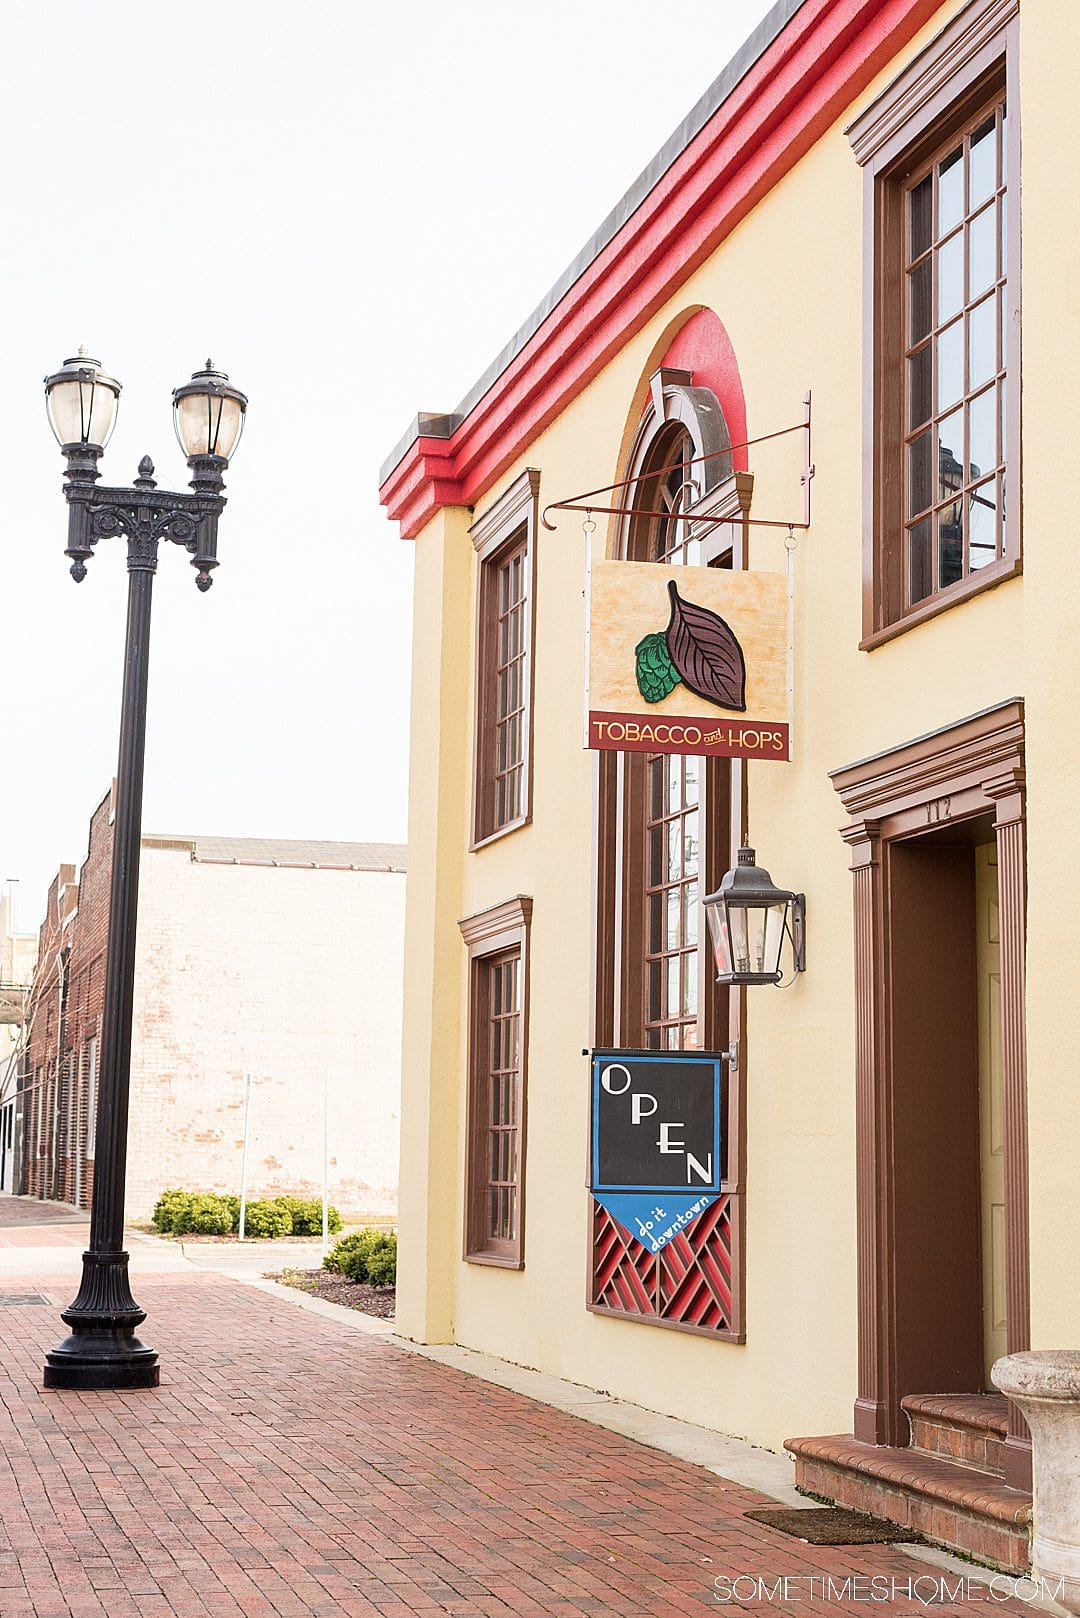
[955, 282]
[677, 488]
[672, 835]
[504, 539]
[510, 635]
[939, 149]
[503, 1112]
[672, 818]
[497, 941]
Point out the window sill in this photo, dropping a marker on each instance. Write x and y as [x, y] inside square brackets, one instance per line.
[497, 1261]
[725, 1335]
[503, 831]
[987, 579]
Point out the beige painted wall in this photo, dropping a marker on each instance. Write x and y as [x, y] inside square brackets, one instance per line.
[18, 952]
[285, 974]
[787, 285]
[1051, 403]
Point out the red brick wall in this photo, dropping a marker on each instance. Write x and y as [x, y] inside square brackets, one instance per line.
[66, 1005]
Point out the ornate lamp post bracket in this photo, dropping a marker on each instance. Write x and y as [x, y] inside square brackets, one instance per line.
[145, 515]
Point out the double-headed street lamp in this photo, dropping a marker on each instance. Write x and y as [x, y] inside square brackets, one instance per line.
[102, 1350]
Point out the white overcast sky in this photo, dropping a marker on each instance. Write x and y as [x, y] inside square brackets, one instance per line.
[350, 208]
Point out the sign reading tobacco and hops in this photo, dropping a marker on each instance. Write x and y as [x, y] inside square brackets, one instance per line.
[687, 660]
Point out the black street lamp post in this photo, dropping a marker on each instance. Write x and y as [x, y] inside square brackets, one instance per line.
[102, 1350]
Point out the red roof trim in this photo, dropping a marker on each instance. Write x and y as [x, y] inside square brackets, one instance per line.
[802, 83]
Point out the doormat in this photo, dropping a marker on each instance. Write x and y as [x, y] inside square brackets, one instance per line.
[832, 1525]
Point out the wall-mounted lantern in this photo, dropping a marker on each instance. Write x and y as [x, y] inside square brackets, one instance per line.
[749, 918]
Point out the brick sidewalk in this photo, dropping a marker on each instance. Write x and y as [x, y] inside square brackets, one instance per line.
[289, 1467]
[29, 1222]
[38, 1211]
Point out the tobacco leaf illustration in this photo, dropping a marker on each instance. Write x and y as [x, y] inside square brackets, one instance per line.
[657, 676]
[706, 653]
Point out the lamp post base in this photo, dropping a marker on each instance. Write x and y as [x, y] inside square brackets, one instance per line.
[102, 1351]
[83, 1364]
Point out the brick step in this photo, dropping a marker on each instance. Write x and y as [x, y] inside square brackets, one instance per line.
[968, 1429]
[953, 1505]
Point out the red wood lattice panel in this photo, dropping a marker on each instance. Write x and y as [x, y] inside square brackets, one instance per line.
[688, 1283]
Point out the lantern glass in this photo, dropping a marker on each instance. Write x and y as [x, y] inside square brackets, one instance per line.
[739, 933]
[82, 402]
[209, 415]
[768, 938]
[720, 928]
[208, 425]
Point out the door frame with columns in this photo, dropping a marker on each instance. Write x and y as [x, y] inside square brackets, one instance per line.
[934, 786]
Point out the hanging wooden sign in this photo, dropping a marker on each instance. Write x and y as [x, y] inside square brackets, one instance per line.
[655, 1159]
[687, 660]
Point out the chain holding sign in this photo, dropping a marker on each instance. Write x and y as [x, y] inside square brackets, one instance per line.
[687, 660]
[656, 1139]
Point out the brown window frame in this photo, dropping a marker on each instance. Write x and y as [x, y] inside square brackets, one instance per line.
[494, 937]
[968, 69]
[506, 531]
[619, 917]
[624, 1009]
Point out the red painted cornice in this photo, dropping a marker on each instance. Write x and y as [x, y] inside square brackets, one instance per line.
[823, 58]
[423, 480]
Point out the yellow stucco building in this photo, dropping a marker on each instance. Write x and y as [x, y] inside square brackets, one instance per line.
[843, 214]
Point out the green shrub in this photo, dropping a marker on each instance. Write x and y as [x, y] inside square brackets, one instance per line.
[306, 1215]
[206, 1215]
[366, 1255]
[359, 1241]
[382, 1264]
[267, 1219]
[199, 1213]
[171, 1206]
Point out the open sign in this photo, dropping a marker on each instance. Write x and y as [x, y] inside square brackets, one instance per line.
[656, 1121]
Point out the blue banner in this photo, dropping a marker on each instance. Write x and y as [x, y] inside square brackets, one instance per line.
[656, 1139]
[651, 1220]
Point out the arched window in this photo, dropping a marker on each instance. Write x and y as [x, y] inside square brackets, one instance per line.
[680, 456]
[666, 819]
[675, 488]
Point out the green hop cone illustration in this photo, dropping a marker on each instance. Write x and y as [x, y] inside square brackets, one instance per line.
[657, 675]
[697, 648]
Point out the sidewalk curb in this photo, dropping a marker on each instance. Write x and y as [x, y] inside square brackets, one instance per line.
[353, 1319]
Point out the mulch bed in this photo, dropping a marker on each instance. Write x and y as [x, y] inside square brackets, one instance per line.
[336, 1289]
